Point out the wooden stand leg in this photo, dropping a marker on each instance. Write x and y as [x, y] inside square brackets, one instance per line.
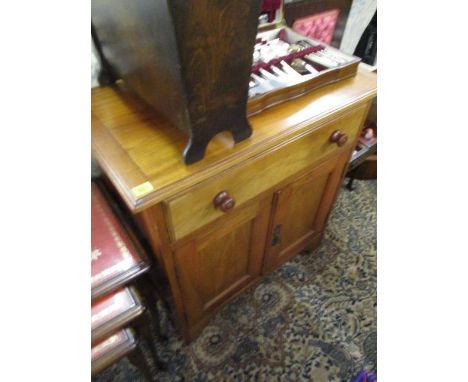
[137, 358]
[145, 328]
[239, 128]
[156, 321]
[349, 186]
[152, 296]
[158, 295]
[241, 131]
[195, 150]
[105, 76]
[352, 176]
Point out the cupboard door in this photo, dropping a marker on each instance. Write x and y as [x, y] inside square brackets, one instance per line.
[214, 265]
[300, 210]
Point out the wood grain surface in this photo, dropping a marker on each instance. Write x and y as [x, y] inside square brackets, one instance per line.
[283, 181]
[134, 145]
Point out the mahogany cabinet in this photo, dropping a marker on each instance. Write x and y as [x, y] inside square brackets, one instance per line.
[217, 226]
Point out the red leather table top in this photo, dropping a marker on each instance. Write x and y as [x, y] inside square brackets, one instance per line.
[108, 344]
[112, 348]
[110, 307]
[112, 251]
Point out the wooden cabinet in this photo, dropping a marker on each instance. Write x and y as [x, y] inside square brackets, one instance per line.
[277, 188]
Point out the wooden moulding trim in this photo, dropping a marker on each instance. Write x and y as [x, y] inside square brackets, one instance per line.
[110, 326]
[230, 160]
[117, 180]
[118, 281]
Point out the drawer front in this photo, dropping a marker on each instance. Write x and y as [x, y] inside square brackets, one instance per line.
[195, 208]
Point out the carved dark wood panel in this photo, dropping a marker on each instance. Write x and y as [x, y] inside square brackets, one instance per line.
[189, 59]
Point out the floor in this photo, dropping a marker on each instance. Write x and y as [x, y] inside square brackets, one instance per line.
[314, 319]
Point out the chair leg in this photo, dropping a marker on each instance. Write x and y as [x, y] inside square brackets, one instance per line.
[152, 297]
[156, 321]
[158, 296]
[145, 328]
[137, 358]
[352, 176]
[169, 310]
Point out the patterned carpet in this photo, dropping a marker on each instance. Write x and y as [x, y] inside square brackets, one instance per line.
[314, 319]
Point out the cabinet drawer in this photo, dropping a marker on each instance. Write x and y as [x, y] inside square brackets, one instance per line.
[195, 208]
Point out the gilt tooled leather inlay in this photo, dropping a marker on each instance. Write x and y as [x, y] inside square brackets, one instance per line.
[109, 344]
[112, 252]
[111, 306]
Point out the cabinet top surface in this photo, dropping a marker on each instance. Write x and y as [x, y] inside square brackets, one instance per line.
[141, 152]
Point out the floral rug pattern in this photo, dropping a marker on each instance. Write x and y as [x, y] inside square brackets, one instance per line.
[313, 319]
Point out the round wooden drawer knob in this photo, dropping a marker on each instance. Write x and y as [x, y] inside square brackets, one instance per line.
[224, 202]
[339, 138]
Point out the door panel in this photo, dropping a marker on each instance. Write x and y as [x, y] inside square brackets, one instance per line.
[305, 198]
[226, 260]
[300, 211]
[218, 263]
